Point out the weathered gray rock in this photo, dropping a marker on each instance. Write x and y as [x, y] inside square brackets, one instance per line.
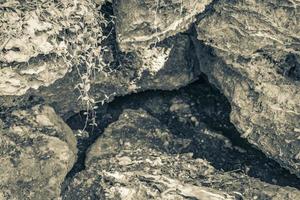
[197, 112]
[37, 149]
[43, 57]
[41, 42]
[254, 60]
[141, 23]
[138, 158]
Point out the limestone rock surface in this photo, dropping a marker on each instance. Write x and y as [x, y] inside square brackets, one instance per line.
[251, 53]
[63, 48]
[137, 157]
[58, 58]
[37, 151]
[152, 21]
[41, 43]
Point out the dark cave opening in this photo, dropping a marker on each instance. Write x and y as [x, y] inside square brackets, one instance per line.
[291, 67]
[217, 113]
[212, 109]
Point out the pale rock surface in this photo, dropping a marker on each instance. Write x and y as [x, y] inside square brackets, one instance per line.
[253, 58]
[37, 149]
[44, 56]
[138, 158]
[141, 23]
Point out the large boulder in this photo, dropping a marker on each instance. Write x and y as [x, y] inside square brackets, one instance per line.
[251, 53]
[141, 23]
[37, 151]
[41, 43]
[137, 157]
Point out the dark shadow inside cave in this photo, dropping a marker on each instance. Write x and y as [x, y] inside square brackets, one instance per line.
[212, 110]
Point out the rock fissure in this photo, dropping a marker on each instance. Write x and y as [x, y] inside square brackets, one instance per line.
[238, 155]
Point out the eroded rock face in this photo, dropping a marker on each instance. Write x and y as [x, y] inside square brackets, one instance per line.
[68, 55]
[137, 157]
[254, 60]
[37, 151]
[50, 52]
[132, 152]
[37, 41]
[166, 66]
[152, 21]
[41, 43]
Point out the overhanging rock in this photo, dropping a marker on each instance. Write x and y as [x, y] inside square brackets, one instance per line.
[252, 56]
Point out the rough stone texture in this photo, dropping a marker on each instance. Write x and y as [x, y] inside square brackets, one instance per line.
[73, 55]
[37, 151]
[36, 40]
[47, 53]
[197, 112]
[141, 23]
[254, 60]
[41, 42]
[166, 67]
[138, 158]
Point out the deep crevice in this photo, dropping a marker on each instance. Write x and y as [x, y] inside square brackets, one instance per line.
[213, 109]
[290, 67]
[253, 163]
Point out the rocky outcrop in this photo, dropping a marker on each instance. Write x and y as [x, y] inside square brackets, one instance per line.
[78, 56]
[251, 54]
[137, 157]
[62, 48]
[153, 21]
[41, 43]
[37, 151]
